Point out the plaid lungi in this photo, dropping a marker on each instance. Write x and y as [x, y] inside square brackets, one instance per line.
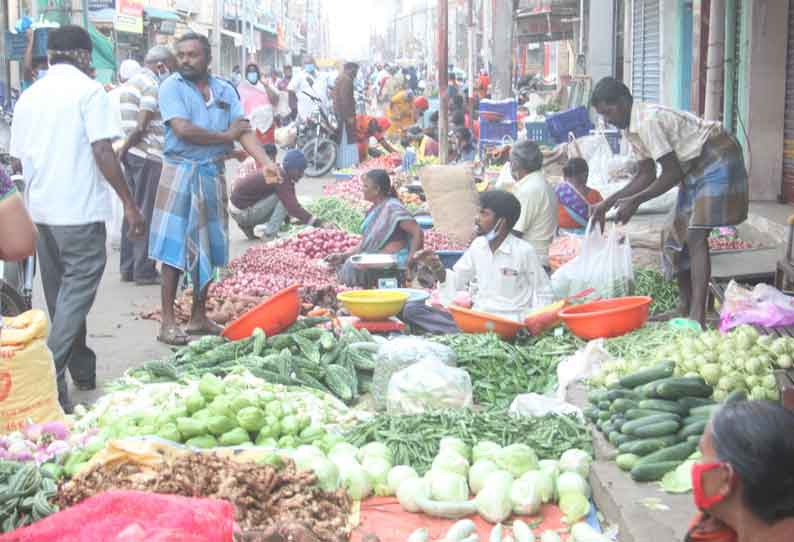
[190, 223]
[713, 193]
[347, 153]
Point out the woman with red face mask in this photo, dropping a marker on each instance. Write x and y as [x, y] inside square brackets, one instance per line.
[744, 484]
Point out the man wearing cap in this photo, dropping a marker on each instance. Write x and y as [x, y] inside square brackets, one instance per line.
[254, 201]
[367, 127]
[62, 136]
[421, 105]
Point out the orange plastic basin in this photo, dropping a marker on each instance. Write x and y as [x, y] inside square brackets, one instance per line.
[273, 315]
[606, 318]
[470, 321]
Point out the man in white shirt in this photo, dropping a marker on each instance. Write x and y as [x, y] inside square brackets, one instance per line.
[538, 220]
[504, 270]
[62, 134]
[305, 82]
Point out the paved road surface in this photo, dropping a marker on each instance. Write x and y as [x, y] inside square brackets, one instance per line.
[119, 336]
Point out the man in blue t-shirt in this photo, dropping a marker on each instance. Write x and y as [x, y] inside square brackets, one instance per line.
[190, 224]
[33, 67]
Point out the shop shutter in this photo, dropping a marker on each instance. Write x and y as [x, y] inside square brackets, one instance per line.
[788, 131]
[645, 65]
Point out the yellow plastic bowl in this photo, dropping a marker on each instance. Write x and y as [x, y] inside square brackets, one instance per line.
[373, 305]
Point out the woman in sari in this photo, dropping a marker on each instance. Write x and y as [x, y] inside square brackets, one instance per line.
[576, 199]
[388, 228]
[401, 114]
[258, 97]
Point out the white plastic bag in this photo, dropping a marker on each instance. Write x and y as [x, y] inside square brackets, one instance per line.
[505, 180]
[533, 405]
[113, 226]
[604, 264]
[427, 386]
[584, 363]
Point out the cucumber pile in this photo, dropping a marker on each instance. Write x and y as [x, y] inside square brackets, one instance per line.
[653, 418]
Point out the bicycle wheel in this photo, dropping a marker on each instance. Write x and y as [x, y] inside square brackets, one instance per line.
[11, 302]
[320, 158]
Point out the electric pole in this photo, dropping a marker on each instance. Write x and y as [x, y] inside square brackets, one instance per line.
[503, 49]
[443, 81]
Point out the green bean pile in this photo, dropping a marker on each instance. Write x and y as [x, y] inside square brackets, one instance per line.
[414, 440]
[338, 212]
[499, 370]
[652, 283]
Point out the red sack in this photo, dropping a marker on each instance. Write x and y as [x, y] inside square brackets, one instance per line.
[134, 516]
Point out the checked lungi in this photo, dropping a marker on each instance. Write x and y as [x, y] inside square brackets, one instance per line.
[713, 193]
[190, 224]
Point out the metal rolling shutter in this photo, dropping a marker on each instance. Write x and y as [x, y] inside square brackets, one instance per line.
[788, 130]
[646, 70]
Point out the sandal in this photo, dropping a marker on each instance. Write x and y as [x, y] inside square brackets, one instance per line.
[173, 336]
[211, 328]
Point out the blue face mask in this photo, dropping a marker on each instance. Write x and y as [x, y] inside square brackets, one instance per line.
[309, 68]
[40, 74]
[491, 235]
[252, 77]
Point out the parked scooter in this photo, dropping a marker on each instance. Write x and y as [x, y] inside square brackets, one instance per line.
[316, 138]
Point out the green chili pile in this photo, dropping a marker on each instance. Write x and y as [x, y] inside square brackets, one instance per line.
[499, 370]
[652, 283]
[414, 440]
[338, 212]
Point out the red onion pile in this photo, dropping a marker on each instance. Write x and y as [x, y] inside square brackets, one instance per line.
[435, 240]
[319, 243]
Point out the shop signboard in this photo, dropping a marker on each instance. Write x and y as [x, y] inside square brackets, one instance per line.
[129, 16]
[99, 5]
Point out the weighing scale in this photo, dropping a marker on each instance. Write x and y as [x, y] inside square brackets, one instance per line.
[383, 271]
[392, 325]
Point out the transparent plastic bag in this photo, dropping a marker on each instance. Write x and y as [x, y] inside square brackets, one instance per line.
[428, 386]
[583, 364]
[399, 353]
[533, 405]
[603, 264]
[764, 305]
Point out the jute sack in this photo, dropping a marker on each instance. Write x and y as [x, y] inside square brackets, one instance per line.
[28, 391]
[452, 198]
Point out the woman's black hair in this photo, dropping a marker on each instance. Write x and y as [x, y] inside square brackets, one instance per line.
[380, 177]
[203, 41]
[270, 150]
[503, 204]
[576, 167]
[68, 38]
[757, 439]
[459, 118]
[610, 91]
[252, 67]
[463, 133]
[434, 117]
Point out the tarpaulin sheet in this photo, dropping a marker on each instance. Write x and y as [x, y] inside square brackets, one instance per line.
[385, 518]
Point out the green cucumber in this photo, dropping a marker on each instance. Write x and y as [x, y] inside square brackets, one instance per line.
[676, 452]
[676, 388]
[604, 415]
[659, 429]
[708, 410]
[696, 428]
[663, 405]
[627, 462]
[620, 393]
[640, 378]
[604, 405]
[597, 395]
[630, 427]
[694, 439]
[652, 472]
[591, 413]
[694, 402]
[637, 413]
[647, 446]
[735, 397]
[692, 419]
[622, 405]
[621, 439]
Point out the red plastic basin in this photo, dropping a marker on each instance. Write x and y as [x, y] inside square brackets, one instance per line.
[273, 315]
[470, 321]
[607, 318]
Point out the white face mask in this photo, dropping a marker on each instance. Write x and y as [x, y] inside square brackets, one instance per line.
[162, 76]
[40, 74]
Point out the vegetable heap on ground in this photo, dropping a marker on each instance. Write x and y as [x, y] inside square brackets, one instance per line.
[26, 493]
[304, 356]
[262, 495]
[318, 242]
[652, 283]
[337, 211]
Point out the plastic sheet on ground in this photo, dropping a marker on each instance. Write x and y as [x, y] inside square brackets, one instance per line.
[134, 516]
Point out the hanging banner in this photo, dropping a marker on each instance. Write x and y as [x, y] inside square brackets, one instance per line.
[129, 16]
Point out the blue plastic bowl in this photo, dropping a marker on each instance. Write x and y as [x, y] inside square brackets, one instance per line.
[425, 221]
[449, 257]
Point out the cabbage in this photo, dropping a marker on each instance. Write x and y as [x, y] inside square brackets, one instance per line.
[572, 482]
[493, 501]
[525, 496]
[478, 473]
[451, 462]
[517, 459]
[678, 480]
[354, 479]
[544, 483]
[484, 450]
[550, 536]
[327, 473]
[550, 467]
[398, 475]
[377, 470]
[575, 460]
[448, 487]
[343, 453]
[499, 477]
[575, 506]
[582, 532]
[305, 457]
[410, 490]
[456, 445]
[375, 449]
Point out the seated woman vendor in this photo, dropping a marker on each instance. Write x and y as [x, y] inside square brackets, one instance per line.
[510, 280]
[576, 200]
[388, 228]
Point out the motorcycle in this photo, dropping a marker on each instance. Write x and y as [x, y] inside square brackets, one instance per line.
[316, 138]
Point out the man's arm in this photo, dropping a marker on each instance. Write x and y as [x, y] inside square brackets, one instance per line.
[672, 174]
[251, 144]
[286, 194]
[18, 239]
[386, 145]
[186, 130]
[645, 176]
[27, 64]
[135, 137]
[111, 169]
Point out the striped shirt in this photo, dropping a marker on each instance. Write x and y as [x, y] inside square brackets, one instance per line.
[141, 94]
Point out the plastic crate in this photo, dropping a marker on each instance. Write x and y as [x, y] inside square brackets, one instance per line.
[538, 132]
[449, 257]
[17, 43]
[496, 132]
[507, 108]
[575, 120]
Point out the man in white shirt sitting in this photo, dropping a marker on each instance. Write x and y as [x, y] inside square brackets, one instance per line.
[509, 278]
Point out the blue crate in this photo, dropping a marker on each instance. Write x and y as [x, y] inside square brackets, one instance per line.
[575, 120]
[538, 132]
[496, 132]
[425, 221]
[507, 108]
[613, 138]
[17, 43]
